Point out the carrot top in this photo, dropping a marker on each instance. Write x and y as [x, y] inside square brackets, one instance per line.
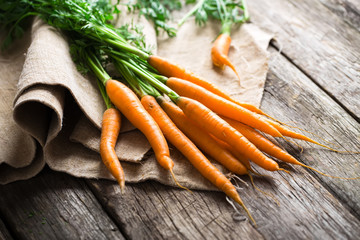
[228, 12]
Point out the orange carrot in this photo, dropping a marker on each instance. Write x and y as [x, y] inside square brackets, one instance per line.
[215, 125]
[129, 105]
[220, 50]
[169, 69]
[171, 132]
[110, 129]
[202, 139]
[261, 142]
[197, 159]
[234, 152]
[221, 106]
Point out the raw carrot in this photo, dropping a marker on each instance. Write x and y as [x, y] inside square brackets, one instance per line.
[169, 69]
[129, 105]
[215, 125]
[261, 142]
[110, 129]
[234, 152]
[219, 52]
[202, 139]
[197, 159]
[221, 106]
[171, 132]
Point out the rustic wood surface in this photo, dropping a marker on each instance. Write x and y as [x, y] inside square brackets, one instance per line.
[314, 80]
[4, 233]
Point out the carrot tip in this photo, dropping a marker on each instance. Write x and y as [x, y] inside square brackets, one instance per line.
[284, 170]
[122, 187]
[327, 175]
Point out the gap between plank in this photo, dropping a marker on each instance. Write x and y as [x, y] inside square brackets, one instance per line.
[274, 45]
[316, 176]
[105, 209]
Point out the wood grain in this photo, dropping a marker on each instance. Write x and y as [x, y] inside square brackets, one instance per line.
[54, 206]
[348, 10]
[319, 42]
[4, 232]
[291, 96]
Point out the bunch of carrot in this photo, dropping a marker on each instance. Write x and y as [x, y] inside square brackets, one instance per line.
[166, 102]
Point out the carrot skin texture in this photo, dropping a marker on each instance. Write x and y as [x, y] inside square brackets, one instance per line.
[234, 152]
[221, 106]
[221, 46]
[110, 129]
[169, 69]
[219, 52]
[171, 132]
[261, 142]
[199, 161]
[175, 135]
[215, 125]
[202, 139]
[129, 105]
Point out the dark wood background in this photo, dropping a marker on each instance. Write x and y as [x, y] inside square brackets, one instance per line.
[314, 80]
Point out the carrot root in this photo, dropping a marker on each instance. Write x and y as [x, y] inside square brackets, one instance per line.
[263, 192]
[177, 183]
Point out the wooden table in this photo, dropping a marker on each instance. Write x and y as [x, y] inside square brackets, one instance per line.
[314, 80]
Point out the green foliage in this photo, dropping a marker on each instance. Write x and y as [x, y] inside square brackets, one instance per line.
[228, 12]
[134, 34]
[69, 15]
[93, 40]
[158, 11]
[11, 14]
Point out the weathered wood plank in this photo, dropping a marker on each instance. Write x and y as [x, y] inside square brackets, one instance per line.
[349, 10]
[319, 42]
[291, 96]
[4, 233]
[153, 211]
[54, 206]
[307, 209]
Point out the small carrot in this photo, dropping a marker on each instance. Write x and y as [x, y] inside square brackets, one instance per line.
[219, 52]
[221, 106]
[110, 129]
[215, 125]
[202, 139]
[129, 105]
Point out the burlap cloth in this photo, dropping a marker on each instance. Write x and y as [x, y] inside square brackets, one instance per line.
[51, 114]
